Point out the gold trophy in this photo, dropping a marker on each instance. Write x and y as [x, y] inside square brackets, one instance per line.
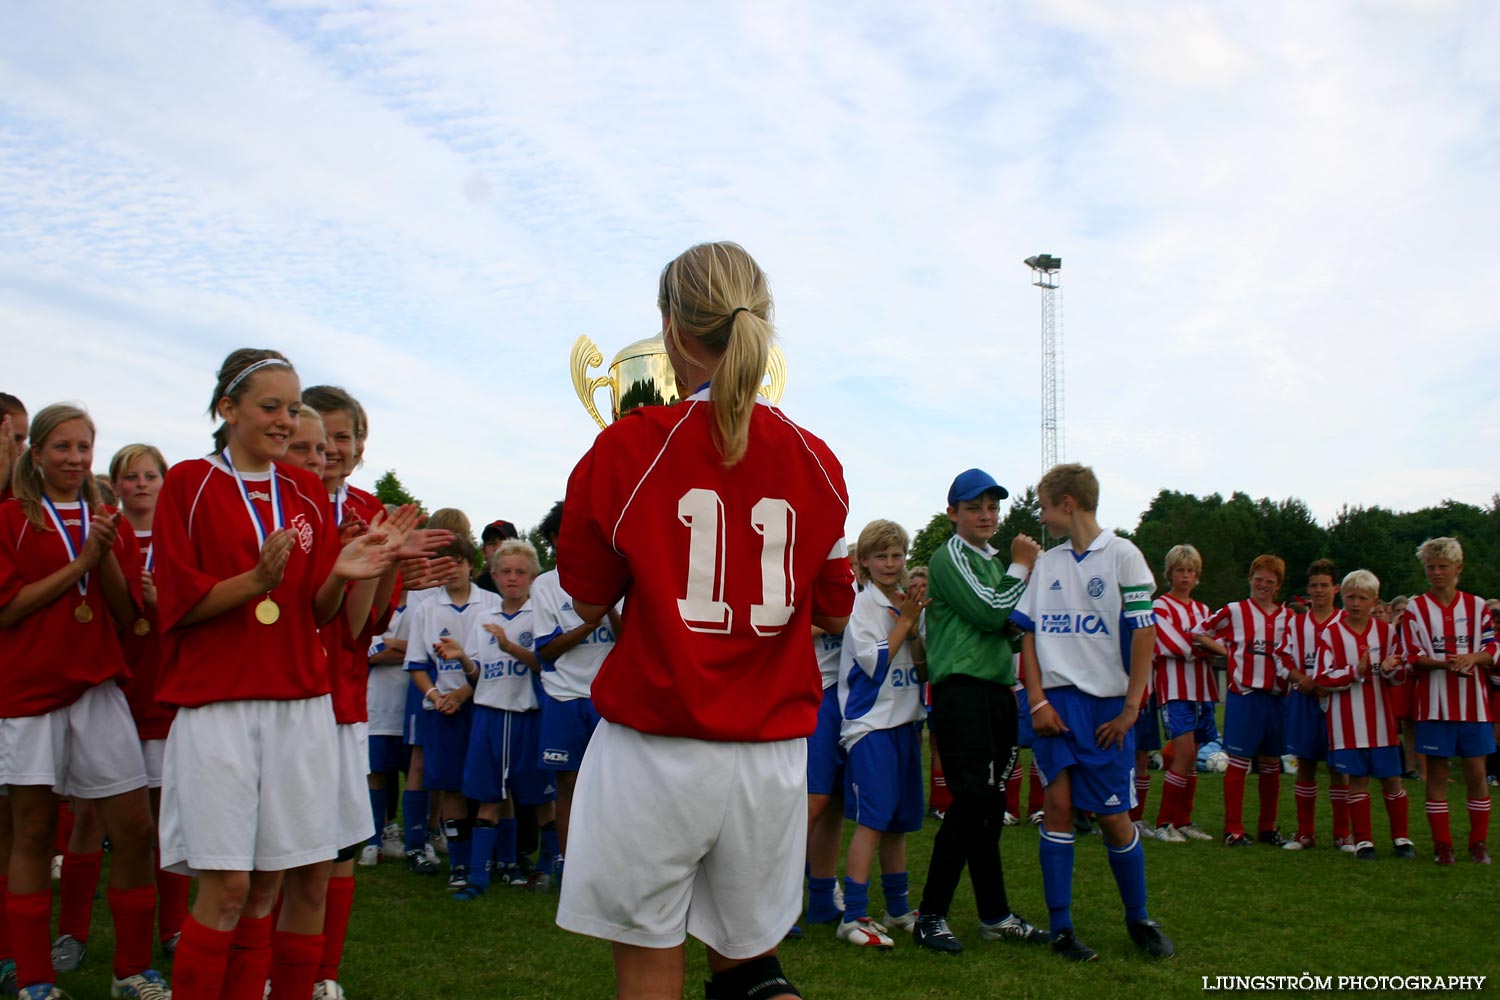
[641, 375]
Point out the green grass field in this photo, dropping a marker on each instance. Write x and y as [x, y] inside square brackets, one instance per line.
[1248, 911]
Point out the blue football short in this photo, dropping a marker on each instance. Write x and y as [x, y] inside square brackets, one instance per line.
[1102, 779]
[883, 780]
[1253, 724]
[825, 756]
[1306, 727]
[1455, 739]
[503, 759]
[1196, 717]
[1148, 727]
[385, 754]
[444, 740]
[567, 727]
[1373, 762]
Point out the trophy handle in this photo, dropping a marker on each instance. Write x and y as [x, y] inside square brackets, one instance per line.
[776, 371]
[585, 356]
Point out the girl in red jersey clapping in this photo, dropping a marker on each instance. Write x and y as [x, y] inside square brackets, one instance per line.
[65, 727]
[248, 566]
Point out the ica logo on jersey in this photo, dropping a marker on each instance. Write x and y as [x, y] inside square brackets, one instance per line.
[1073, 623]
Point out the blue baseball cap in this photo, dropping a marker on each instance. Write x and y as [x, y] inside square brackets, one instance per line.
[972, 483]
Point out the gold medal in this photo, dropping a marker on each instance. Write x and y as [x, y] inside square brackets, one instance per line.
[142, 626]
[267, 612]
[83, 613]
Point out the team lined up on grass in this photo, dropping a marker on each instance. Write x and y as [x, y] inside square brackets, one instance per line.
[258, 616]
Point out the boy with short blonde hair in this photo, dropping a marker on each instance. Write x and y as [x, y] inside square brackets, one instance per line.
[1085, 698]
[1450, 641]
[1359, 660]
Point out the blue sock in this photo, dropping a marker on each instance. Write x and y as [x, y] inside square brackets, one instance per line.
[1129, 865]
[377, 809]
[505, 842]
[414, 813]
[482, 849]
[856, 899]
[1057, 877]
[894, 888]
[459, 844]
[547, 854]
[820, 908]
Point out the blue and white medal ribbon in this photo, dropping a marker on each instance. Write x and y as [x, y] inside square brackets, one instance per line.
[267, 611]
[83, 612]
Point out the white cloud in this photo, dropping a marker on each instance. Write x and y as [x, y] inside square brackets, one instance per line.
[429, 204]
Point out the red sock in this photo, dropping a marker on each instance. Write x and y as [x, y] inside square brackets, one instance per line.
[202, 958]
[1013, 789]
[1359, 817]
[335, 925]
[1173, 791]
[171, 902]
[4, 917]
[295, 963]
[64, 827]
[80, 880]
[134, 914]
[1192, 796]
[1307, 807]
[1479, 821]
[938, 796]
[1397, 807]
[1269, 788]
[1034, 790]
[1142, 793]
[1234, 795]
[1437, 819]
[1338, 795]
[30, 921]
[250, 960]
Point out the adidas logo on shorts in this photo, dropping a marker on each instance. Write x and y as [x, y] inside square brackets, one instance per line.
[1113, 800]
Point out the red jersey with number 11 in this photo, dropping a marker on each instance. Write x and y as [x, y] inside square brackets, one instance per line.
[722, 569]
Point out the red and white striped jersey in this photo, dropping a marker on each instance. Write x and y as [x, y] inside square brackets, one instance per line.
[1299, 647]
[1250, 638]
[1181, 671]
[1430, 629]
[1359, 709]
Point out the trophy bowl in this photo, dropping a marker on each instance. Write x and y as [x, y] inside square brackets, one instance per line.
[641, 375]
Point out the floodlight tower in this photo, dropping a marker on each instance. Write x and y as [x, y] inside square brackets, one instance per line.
[1044, 268]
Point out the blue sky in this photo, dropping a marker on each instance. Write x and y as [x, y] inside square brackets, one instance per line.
[1276, 220]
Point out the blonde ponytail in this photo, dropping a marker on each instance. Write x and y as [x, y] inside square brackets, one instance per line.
[717, 294]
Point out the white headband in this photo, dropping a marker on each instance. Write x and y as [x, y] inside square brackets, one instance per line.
[251, 370]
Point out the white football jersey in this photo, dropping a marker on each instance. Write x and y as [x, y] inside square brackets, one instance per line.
[440, 618]
[876, 690]
[1082, 610]
[571, 675]
[504, 681]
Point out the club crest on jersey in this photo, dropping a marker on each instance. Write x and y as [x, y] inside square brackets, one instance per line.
[303, 531]
[1096, 588]
[1073, 623]
[525, 641]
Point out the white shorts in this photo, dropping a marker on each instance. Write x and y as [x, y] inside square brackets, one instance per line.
[356, 824]
[246, 787]
[670, 837]
[155, 752]
[89, 749]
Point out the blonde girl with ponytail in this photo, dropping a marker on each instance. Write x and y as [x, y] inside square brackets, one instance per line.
[724, 522]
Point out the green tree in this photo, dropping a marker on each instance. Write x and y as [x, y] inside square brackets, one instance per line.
[930, 539]
[388, 489]
[1023, 518]
[545, 554]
